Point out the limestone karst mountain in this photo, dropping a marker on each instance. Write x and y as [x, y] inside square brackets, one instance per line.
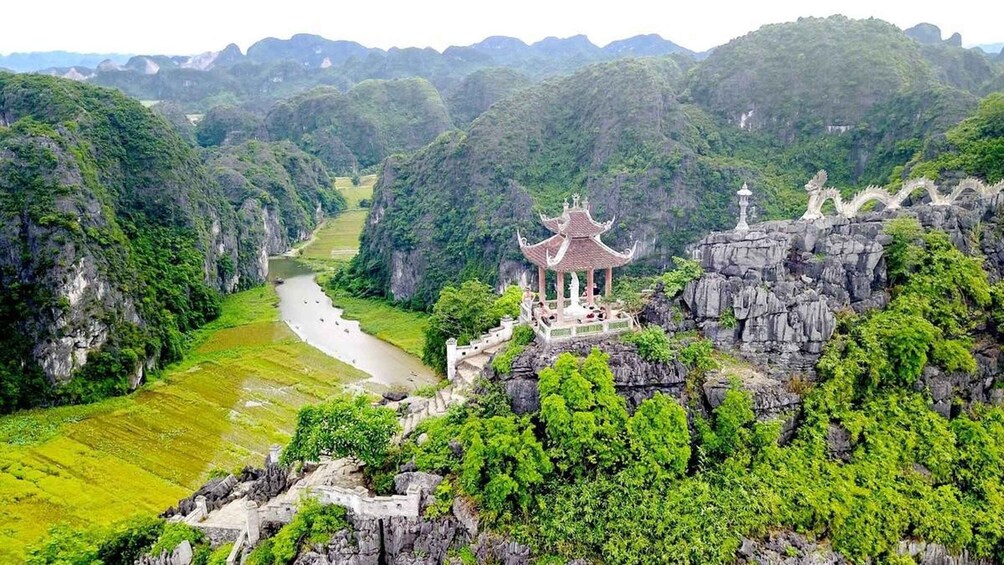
[118, 239]
[662, 150]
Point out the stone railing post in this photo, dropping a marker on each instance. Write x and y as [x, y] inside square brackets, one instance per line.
[273, 455]
[451, 358]
[507, 325]
[201, 509]
[253, 522]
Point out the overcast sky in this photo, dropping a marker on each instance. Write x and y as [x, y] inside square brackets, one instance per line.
[192, 26]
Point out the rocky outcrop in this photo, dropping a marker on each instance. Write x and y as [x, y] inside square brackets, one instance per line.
[634, 378]
[789, 548]
[771, 294]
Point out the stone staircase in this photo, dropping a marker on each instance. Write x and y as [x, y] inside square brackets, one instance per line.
[467, 373]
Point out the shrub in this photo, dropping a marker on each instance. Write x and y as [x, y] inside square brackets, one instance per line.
[728, 319]
[652, 343]
[314, 523]
[673, 282]
[521, 337]
[345, 426]
[582, 415]
[503, 463]
[173, 534]
[659, 440]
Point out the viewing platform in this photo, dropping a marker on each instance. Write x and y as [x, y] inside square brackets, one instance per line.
[544, 319]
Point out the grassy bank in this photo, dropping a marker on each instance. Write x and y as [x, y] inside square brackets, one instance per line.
[236, 393]
[402, 328]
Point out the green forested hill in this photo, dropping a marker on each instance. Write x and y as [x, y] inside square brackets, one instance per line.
[799, 79]
[280, 194]
[115, 239]
[361, 127]
[480, 89]
[617, 132]
[664, 149]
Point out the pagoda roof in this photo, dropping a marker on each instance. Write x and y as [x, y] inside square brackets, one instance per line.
[576, 221]
[569, 254]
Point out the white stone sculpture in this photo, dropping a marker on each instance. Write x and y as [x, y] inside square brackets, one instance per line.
[819, 194]
[576, 308]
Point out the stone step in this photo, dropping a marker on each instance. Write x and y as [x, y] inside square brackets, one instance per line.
[467, 373]
[476, 361]
[491, 350]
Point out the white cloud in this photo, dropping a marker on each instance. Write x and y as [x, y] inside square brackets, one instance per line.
[191, 26]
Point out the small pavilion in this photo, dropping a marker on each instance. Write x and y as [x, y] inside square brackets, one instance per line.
[575, 247]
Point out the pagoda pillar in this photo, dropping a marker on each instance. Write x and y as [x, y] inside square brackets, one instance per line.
[590, 283]
[560, 287]
[610, 281]
[541, 284]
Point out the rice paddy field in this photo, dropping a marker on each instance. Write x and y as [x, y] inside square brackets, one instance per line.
[338, 238]
[236, 393]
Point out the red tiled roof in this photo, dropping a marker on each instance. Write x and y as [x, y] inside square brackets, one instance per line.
[575, 222]
[559, 253]
[538, 253]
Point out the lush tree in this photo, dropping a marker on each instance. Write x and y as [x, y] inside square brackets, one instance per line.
[345, 426]
[503, 462]
[659, 439]
[465, 313]
[583, 416]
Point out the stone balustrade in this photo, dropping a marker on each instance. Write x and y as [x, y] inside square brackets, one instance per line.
[457, 353]
[361, 503]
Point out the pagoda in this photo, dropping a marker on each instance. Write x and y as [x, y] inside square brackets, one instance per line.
[574, 247]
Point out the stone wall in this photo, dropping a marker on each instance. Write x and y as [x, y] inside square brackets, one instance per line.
[457, 353]
[361, 503]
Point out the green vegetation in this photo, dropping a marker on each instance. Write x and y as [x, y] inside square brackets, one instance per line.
[521, 337]
[276, 180]
[313, 524]
[584, 478]
[974, 147]
[147, 234]
[236, 393]
[174, 533]
[120, 544]
[465, 313]
[652, 343]
[342, 427]
[655, 346]
[670, 140]
[123, 544]
[358, 128]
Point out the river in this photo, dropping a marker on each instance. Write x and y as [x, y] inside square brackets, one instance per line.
[310, 314]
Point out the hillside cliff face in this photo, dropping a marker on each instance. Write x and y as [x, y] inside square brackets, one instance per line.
[280, 194]
[616, 132]
[115, 240]
[660, 150]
